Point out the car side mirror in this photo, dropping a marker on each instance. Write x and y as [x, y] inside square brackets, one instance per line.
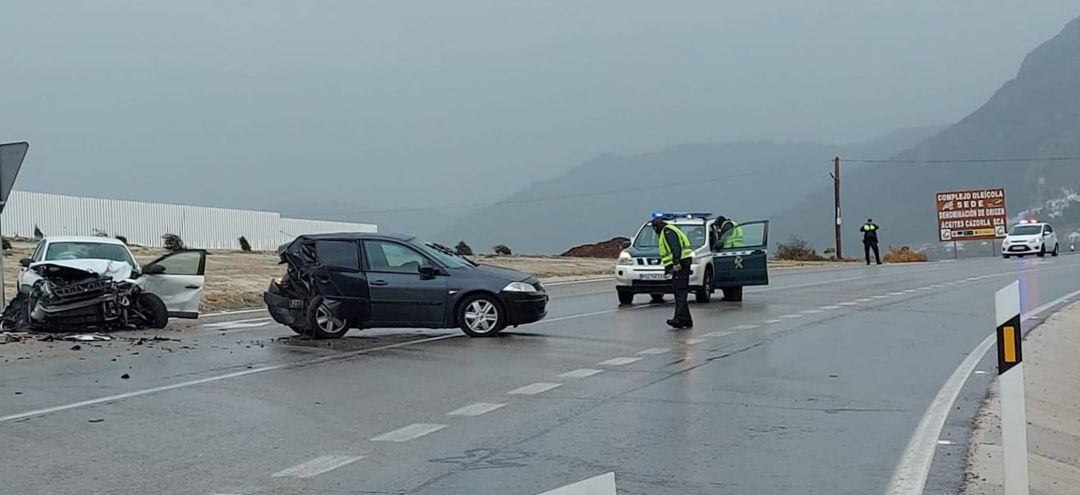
[25, 262]
[153, 270]
[428, 270]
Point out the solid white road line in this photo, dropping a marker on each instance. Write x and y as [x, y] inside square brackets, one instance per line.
[237, 323]
[411, 432]
[770, 322]
[317, 466]
[211, 379]
[534, 388]
[475, 409]
[849, 303]
[581, 373]
[619, 361]
[909, 477]
[653, 351]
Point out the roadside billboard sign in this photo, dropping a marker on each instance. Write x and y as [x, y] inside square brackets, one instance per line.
[971, 215]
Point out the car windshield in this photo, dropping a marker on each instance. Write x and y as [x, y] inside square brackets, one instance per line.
[647, 237]
[443, 254]
[59, 251]
[1026, 230]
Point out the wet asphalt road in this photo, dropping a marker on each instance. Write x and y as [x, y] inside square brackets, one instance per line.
[813, 384]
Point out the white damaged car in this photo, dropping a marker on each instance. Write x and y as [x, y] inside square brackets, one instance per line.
[79, 282]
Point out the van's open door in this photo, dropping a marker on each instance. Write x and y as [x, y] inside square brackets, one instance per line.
[741, 255]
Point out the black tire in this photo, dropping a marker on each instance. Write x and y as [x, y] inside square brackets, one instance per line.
[733, 294]
[1042, 252]
[1055, 252]
[656, 298]
[625, 297]
[704, 296]
[481, 315]
[321, 321]
[151, 306]
[1005, 256]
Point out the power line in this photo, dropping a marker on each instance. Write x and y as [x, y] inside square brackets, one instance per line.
[973, 160]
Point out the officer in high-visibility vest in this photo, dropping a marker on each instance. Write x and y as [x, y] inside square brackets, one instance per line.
[733, 240]
[870, 240]
[676, 254]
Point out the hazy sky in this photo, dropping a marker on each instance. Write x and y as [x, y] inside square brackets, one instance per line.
[396, 103]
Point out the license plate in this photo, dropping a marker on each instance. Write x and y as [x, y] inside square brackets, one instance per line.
[654, 276]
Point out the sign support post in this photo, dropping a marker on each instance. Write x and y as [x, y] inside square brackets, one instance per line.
[11, 158]
[1011, 381]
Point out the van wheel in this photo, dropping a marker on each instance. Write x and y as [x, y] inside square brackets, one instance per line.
[322, 323]
[704, 295]
[625, 297]
[733, 294]
[480, 316]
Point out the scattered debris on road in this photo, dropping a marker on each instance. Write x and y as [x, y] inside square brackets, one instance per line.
[125, 376]
[87, 337]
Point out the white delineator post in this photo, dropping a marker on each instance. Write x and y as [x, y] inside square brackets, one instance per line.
[1011, 381]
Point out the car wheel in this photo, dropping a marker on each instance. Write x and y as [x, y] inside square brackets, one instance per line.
[1005, 256]
[322, 323]
[1042, 252]
[733, 294]
[153, 308]
[626, 297]
[704, 295]
[1055, 252]
[656, 298]
[481, 316]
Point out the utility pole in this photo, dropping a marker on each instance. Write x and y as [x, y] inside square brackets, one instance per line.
[836, 203]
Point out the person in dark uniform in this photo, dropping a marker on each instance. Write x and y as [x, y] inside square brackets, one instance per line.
[677, 255]
[870, 240]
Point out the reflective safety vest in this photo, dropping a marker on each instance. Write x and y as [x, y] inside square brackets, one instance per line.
[666, 256]
[735, 239]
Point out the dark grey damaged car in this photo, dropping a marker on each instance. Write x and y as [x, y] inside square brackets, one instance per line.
[334, 282]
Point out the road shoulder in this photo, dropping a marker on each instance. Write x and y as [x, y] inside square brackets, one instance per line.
[1053, 413]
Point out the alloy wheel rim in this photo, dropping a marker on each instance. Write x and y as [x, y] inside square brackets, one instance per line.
[326, 320]
[481, 316]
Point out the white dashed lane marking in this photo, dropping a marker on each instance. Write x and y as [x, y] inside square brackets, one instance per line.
[790, 317]
[848, 303]
[770, 322]
[863, 299]
[534, 388]
[654, 351]
[737, 328]
[407, 433]
[721, 333]
[830, 308]
[475, 409]
[580, 373]
[810, 311]
[694, 341]
[879, 297]
[317, 466]
[619, 361]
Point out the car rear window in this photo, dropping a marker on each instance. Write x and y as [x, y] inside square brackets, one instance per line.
[338, 254]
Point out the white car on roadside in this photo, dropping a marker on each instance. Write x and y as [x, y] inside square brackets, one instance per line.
[69, 281]
[1025, 238]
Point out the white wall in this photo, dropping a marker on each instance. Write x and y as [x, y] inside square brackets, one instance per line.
[144, 223]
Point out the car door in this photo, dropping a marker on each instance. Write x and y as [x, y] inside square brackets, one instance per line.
[400, 294]
[27, 278]
[178, 279]
[1049, 237]
[745, 262]
[339, 279]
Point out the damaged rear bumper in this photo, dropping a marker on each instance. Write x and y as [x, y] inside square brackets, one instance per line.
[284, 310]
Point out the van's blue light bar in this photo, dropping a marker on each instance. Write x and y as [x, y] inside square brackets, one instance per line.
[681, 214]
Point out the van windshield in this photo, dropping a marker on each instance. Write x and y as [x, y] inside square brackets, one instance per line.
[647, 238]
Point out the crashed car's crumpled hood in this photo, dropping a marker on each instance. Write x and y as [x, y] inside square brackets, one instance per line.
[117, 270]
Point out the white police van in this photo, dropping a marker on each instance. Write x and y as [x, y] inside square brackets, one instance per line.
[721, 260]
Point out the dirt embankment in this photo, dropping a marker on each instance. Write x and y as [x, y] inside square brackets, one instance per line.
[1051, 374]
